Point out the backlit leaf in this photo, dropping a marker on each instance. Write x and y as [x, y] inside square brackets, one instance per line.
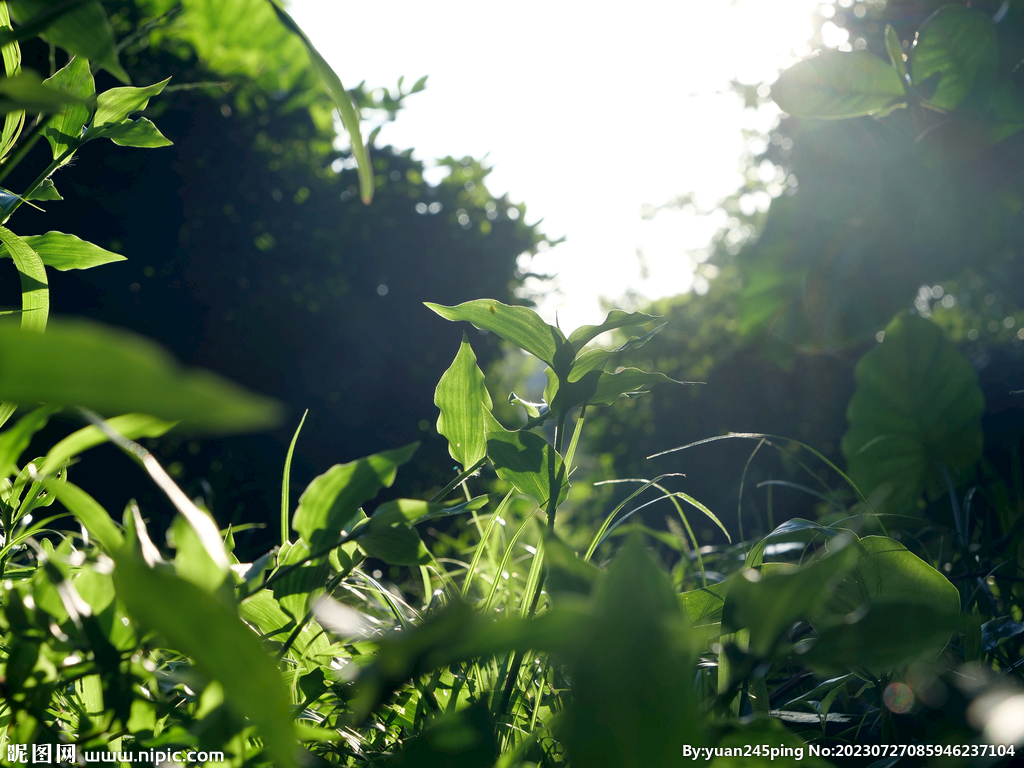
[834, 84]
[65, 252]
[959, 45]
[197, 624]
[113, 106]
[526, 460]
[83, 31]
[615, 319]
[133, 426]
[26, 91]
[137, 133]
[112, 371]
[64, 129]
[519, 325]
[330, 504]
[458, 396]
[917, 409]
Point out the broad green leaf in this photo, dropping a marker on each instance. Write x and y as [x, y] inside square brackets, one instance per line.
[113, 106]
[458, 396]
[26, 91]
[83, 31]
[615, 319]
[519, 325]
[633, 701]
[11, 51]
[264, 612]
[347, 110]
[886, 636]
[395, 542]
[330, 504]
[65, 252]
[704, 606]
[112, 371]
[136, 133]
[959, 45]
[770, 601]
[526, 460]
[917, 409]
[837, 85]
[298, 589]
[887, 572]
[15, 440]
[220, 645]
[598, 387]
[45, 191]
[415, 511]
[64, 130]
[97, 522]
[886, 582]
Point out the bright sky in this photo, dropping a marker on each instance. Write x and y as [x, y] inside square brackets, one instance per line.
[587, 111]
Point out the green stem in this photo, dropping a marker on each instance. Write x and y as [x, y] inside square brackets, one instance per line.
[43, 177]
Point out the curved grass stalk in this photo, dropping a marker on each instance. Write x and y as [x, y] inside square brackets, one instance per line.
[504, 563]
[599, 536]
[285, 481]
[483, 543]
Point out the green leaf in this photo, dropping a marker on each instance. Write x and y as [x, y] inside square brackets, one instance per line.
[394, 542]
[64, 130]
[11, 51]
[112, 371]
[526, 460]
[885, 583]
[704, 606]
[458, 396]
[83, 31]
[264, 612]
[917, 409]
[26, 91]
[15, 440]
[885, 637]
[113, 106]
[35, 292]
[133, 426]
[770, 601]
[330, 504]
[299, 588]
[219, 644]
[895, 50]
[415, 511]
[519, 325]
[836, 85]
[601, 388]
[65, 252]
[45, 191]
[959, 45]
[136, 133]
[97, 522]
[191, 561]
[347, 109]
[615, 319]
[633, 700]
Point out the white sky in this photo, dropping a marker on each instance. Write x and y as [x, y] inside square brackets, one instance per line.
[587, 110]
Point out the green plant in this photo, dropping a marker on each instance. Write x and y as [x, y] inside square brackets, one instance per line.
[489, 642]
